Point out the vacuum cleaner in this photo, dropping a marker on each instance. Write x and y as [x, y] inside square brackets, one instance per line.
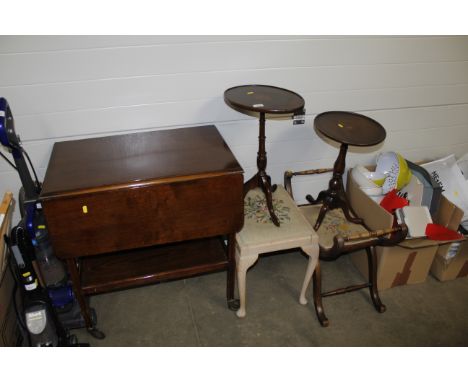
[50, 307]
[39, 318]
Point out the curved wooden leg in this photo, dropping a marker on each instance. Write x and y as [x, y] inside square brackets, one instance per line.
[321, 215]
[313, 253]
[269, 199]
[344, 205]
[372, 263]
[251, 184]
[318, 296]
[320, 198]
[243, 263]
[272, 186]
[85, 311]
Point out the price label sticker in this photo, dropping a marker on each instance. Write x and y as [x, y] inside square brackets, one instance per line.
[299, 119]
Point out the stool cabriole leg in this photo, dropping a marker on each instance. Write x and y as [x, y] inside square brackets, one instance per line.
[243, 263]
[312, 252]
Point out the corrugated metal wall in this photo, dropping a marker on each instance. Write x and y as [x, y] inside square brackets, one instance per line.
[70, 87]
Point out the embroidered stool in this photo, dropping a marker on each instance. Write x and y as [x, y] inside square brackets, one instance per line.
[259, 235]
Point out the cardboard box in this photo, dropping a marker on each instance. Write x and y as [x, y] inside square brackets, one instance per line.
[457, 266]
[398, 265]
[408, 262]
[444, 270]
[9, 331]
[6, 209]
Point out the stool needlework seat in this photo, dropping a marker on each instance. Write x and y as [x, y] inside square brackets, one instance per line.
[260, 235]
[338, 236]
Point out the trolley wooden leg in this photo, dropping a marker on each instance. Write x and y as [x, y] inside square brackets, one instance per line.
[233, 304]
[75, 277]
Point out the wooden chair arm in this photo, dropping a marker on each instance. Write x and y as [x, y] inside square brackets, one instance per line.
[343, 244]
[371, 234]
[289, 174]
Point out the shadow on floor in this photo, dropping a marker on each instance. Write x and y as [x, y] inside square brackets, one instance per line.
[193, 312]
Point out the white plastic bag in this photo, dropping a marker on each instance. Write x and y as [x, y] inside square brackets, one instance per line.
[446, 172]
[463, 165]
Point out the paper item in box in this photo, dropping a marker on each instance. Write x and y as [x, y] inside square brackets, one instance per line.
[452, 251]
[446, 172]
[451, 262]
[431, 190]
[463, 165]
[416, 218]
[413, 192]
[360, 175]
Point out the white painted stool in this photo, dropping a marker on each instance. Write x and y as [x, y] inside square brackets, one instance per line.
[259, 235]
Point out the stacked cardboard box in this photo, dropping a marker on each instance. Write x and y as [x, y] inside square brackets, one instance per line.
[8, 325]
[449, 269]
[408, 262]
[445, 267]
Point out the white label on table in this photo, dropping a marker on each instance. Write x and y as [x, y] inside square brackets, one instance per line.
[299, 119]
[258, 105]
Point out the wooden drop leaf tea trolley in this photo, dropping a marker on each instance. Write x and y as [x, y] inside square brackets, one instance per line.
[134, 209]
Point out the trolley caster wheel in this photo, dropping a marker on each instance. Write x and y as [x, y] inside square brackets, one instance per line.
[72, 340]
[96, 333]
[381, 309]
[234, 304]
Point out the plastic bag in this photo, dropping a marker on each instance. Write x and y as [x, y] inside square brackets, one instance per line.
[448, 175]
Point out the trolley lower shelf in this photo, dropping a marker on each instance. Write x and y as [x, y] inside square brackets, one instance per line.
[109, 272]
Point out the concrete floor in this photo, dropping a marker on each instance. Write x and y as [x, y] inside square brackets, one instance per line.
[193, 312]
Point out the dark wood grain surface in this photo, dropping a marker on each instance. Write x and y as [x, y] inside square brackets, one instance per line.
[128, 218]
[350, 128]
[137, 190]
[263, 99]
[106, 273]
[136, 159]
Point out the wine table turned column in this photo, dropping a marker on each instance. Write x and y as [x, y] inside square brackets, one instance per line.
[261, 101]
[346, 128]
